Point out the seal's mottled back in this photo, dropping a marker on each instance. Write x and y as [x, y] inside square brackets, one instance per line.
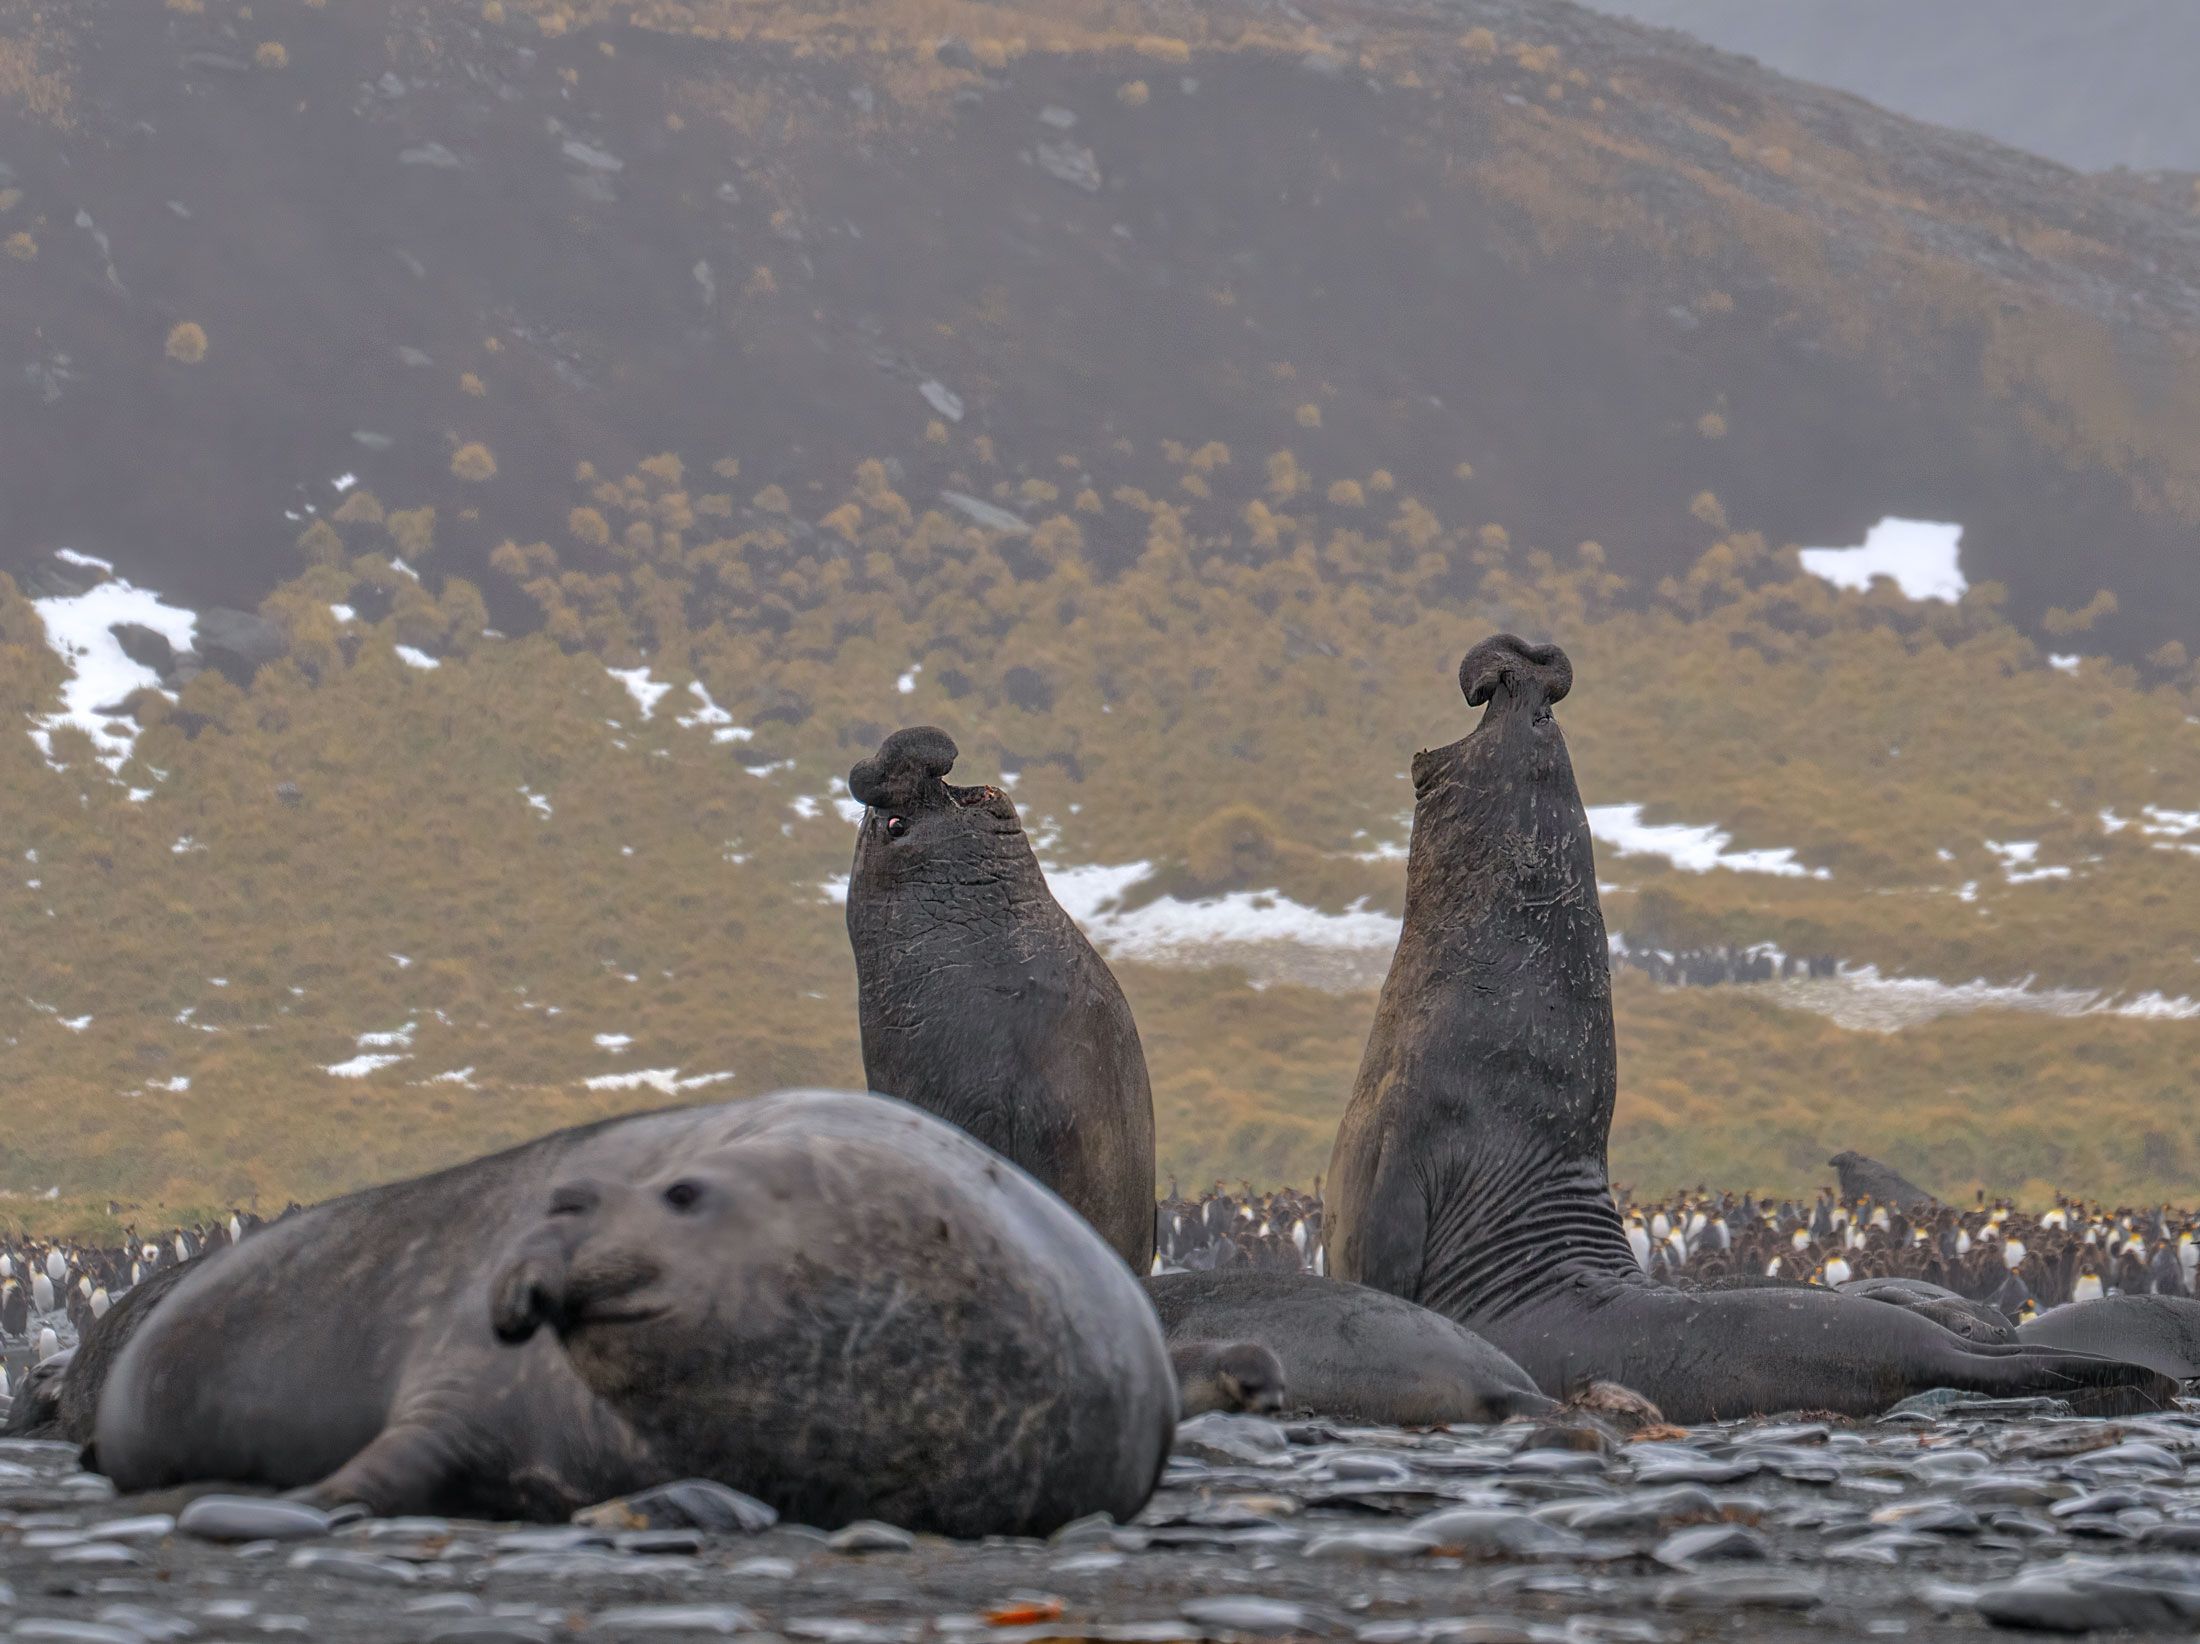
[980, 999]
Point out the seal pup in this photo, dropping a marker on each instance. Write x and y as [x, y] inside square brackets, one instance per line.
[1469, 1172]
[835, 1303]
[2160, 1332]
[1863, 1178]
[1347, 1351]
[981, 1001]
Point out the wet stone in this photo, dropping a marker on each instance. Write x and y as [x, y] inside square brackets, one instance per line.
[1245, 1615]
[1768, 1591]
[2084, 1594]
[660, 1620]
[487, 1630]
[1488, 1532]
[154, 1626]
[352, 1566]
[1712, 1543]
[251, 1518]
[868, 1536]
[56, 1630]
[145, 1527]
[688, 1504]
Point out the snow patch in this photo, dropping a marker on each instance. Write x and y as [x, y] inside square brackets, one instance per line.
[538, 801]
[646, 692]
[803, 805]
[80, 630]
[412, 658]
[664, 1080]
[1861, 999]
[2064, 662]
[1691, 849]
[908, 681]
[1921, 555]
[362, 1065]
[613, 1041]
[343, 613]
[2017, 856]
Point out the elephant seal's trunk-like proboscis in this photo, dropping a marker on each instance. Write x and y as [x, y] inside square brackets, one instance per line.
[980, 1000]
[1469, 1172]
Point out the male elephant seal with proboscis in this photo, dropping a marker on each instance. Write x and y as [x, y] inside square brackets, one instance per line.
[1469, 1171]
[980, 999]
[834, 1302]
[1346, 1351]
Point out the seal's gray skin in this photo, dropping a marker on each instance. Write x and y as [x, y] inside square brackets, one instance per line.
[1233, 1377]
[1863, 1178]
[980, 999]
[835, 1303]
[1972, 1320]
[1469, 1172]
[2160, 1332]
[1348, 1351]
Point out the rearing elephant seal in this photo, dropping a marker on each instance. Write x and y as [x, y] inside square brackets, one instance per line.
[834, 1302]
[1469, 1171]
[980, 999]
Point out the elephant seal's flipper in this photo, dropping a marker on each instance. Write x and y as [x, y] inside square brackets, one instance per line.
[1469, 1171]
[980, 1000]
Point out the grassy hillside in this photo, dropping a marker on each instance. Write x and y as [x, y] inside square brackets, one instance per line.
[484, 865]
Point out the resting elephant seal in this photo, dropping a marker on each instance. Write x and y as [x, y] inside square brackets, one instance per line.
[2160, 1332]
[1972, 1320]
[1348, 1351]
[835, 1303]
[1228, 1376]
[66, 1406]
[1469, 1171]
[980, 999]
[1863, 1178]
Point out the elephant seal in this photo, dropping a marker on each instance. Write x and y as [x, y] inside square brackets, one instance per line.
[835, 1303]
[1469, 1171]
[1863, 1178]
[1347, 1351]
[65, 1404]
[1236, 1376]
[981, 1001]
[2160, 1332]
[1972, 1320]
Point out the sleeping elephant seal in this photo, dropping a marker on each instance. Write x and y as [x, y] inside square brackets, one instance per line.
[835, 1303]
[1863, 1178]
[2160, 1332]
[1347, 1351]
[980, 999]
[1972, 1320]
[1469, 1171]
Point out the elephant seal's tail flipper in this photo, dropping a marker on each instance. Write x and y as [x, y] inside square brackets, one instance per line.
[908, 769]
[1509, 663]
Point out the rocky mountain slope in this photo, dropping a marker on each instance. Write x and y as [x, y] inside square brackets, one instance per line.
[483, 473]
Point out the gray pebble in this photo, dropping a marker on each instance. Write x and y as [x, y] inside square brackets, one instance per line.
[870, 1536]
[488, 1630]
[56, 1631]
[154, 1626]
[1247, 1615]
[1707, 1543]
[251, 1518]
[714, 1620]
[353, 1566]
[1740, 1590]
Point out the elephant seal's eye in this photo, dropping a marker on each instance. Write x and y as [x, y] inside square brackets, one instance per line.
[896, 826]
[683, 1195]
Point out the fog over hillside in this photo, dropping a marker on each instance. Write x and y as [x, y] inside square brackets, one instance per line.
[2093, 85]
